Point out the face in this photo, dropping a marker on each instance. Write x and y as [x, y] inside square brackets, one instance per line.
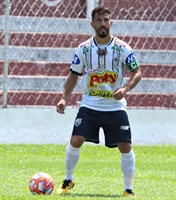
[102, 24]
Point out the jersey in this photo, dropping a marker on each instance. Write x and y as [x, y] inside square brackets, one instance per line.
[103, 67]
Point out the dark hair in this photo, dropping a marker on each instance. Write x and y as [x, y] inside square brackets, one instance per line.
[100, 10]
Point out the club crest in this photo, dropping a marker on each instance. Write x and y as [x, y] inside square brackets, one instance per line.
[78, 121]
[102, 52]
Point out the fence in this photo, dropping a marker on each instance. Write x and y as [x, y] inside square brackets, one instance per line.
[38, 39]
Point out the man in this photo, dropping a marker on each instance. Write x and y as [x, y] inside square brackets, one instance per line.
[102, 60]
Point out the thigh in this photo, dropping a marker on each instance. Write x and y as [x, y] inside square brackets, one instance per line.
[86, 125]
[117, 128]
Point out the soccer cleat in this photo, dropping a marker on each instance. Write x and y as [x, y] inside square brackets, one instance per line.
[129, 193]
[66, 185]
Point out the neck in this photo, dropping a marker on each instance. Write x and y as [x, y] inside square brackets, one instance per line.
[105, 40]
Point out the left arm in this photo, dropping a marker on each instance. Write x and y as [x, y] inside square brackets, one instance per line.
[133, 81]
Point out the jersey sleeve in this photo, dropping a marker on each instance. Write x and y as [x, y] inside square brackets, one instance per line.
[130, 59]
[77, 62]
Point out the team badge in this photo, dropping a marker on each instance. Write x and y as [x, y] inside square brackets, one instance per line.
[102, 51]
[78, 121]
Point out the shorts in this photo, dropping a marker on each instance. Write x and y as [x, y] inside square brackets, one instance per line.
[115, 125]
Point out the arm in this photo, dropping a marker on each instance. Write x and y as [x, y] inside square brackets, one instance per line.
[133, 81]
[68, 88]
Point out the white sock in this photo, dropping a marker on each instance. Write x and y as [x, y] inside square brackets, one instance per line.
[128, 167]
[72, 157]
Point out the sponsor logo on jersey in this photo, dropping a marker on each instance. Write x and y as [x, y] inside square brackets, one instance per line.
[76, 60]
[101, 93]
[130, 58]
[90, 71]
[96, 79]
[86, 43]
[117, 47]
[119, 42]
[87, 49]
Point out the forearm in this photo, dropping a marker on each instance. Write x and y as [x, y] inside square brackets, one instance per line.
[134, 80]
[69, 85]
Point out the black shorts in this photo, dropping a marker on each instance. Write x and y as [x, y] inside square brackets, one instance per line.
[115, 125]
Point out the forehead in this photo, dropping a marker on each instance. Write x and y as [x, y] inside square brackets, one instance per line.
[102, 15]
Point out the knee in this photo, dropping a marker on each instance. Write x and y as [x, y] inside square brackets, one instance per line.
[77, 141]
[124, 147]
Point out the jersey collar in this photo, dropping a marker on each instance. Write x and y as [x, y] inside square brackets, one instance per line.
[96, 43]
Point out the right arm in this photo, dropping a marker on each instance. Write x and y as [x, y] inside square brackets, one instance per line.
[68, 88]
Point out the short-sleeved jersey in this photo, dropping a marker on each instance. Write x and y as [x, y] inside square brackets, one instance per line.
[102, 67]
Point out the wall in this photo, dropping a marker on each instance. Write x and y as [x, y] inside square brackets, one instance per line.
[46, 126]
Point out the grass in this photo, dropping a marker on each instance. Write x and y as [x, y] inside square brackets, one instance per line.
[98, 174]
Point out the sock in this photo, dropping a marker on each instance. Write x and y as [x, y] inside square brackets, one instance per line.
[72, 157]
[128, 167]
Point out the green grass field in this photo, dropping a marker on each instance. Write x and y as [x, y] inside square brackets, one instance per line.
[98, 174]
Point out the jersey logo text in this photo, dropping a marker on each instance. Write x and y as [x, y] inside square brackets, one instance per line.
[101, 93]
[96, 79]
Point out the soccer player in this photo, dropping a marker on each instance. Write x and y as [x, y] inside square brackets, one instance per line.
[101, 60]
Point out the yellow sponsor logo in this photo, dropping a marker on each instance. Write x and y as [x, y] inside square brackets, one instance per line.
[96, 79]
[101, 93]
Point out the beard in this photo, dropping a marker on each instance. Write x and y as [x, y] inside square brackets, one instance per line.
[104, 33]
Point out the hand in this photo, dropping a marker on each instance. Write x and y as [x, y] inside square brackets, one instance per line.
[60, 107]
[120, 93]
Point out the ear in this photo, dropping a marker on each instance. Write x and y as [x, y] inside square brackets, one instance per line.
[111, 23]
[92, 24]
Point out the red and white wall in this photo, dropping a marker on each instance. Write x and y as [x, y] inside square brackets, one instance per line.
[43, 36]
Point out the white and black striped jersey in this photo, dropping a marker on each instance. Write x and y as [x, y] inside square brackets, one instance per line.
[102, 67]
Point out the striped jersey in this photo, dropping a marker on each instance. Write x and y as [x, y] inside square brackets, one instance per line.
[102, 67]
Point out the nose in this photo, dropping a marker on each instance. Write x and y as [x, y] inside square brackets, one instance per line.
[103, 23]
